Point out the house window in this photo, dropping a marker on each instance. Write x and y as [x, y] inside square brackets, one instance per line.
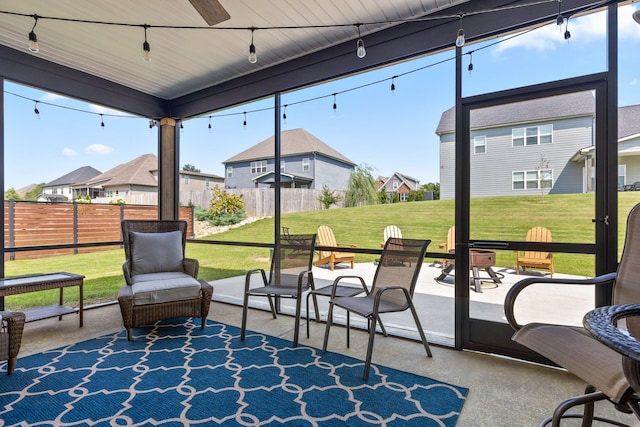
[259, 167]
[282, 165]
[533, 135]
[229, 171]
[535, 179]
[480, 144]
[305, 164]
[186, 179]
[622, 174]
[206, 183]
[395, 185]
[404, 197]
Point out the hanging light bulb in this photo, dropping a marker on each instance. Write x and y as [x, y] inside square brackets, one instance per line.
[253, 58]
[209, 124]
[33, 39]
[560, 18]
[244, 123]
[335, 105]
[460, 38]
[101, 120]
[636, 16]
[35, 110]
[146, 49]
[393, 85]
[470, 67]
[567, 34]
[284, 113]
[360, 51]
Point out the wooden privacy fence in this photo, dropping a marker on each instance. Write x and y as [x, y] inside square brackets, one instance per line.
[41, 224]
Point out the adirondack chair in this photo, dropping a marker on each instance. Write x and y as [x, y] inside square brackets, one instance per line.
[390, 231]
[449, 246]
[533, 259]
[327, 238]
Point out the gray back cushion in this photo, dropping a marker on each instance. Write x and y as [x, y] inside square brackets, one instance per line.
[156, 252]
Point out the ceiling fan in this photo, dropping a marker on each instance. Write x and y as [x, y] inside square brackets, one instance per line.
[211, 11]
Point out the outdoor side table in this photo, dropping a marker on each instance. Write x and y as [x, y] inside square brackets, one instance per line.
[601, 323]
[478, 260]
[43, 282]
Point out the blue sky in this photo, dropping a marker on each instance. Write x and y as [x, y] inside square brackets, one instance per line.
[389, 131]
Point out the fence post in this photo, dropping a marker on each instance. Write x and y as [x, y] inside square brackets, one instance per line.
[75, 226]
[12, 228]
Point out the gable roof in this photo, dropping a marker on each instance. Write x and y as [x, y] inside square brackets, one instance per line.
[292, 142]
[78, 176]
[410, 182]
[136, 172]
[628, 123]
[552, 107]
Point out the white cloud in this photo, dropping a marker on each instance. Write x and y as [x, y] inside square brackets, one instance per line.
[584, 29]
[69, 152]
[99, 109]
[634, 82]
[52, 97]
[99, 149]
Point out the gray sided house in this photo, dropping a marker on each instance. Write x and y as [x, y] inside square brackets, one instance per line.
[628, 145]
[542, 146]
[397, 184]
[306, 162]
[70, 185]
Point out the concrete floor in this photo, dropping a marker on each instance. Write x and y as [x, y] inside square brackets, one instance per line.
[503, 392]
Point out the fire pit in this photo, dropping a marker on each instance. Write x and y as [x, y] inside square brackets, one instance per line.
[478, 260]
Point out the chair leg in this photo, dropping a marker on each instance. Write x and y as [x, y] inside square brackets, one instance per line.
[315, 308]
[588, 399]
[296, 328]
[326, 331]
[273, 307]
[11, 365]
[129, 335]
[245, 306]
[425, 343]
[372, 336]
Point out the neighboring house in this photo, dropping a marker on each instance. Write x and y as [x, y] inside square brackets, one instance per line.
[305, 162]
[524, 148]
[628, 145]
[197, 181]
[397, 184]
[53, 198]
[69, 185]
[139, 177]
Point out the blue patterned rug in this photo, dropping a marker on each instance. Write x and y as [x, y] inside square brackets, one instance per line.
[181, 375]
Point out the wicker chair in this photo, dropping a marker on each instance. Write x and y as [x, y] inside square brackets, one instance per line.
[574, 349]
[161, 282]
[11, 328]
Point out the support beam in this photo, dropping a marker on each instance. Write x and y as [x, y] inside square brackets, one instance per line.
[168, 169]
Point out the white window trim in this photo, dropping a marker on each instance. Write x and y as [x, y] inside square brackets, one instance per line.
[229, 171]
[259, 166]
[479, 141]
[539, 174]
[539, 135]
[306, 164]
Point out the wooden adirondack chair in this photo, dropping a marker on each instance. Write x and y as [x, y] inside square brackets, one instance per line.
[449, 246]
[390, 231]
[327, 238]
[533, 259]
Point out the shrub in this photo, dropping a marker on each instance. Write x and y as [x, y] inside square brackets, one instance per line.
[328, 197]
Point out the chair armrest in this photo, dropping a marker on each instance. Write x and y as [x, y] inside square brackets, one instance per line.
[247, 279]
[15, 327]
[337, 280]
[127, 273]
[512, 294]
[191, 267]
[442, 245]
[348, 245]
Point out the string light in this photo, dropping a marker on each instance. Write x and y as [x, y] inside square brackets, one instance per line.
[560, 18]
[460, 38]
[253, 58]
[35, 110]
[101, 120]
[152, 123]
[284, 113]
[335, 106]
[209, 124]
[470, 67]
[393, 85]
[146, 49]
[244, 123]
[33, 39]
[567, 34]
[360, 51]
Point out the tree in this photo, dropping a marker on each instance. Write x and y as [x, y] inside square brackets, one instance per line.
[190, 168]
[328, 197]
[544, 175]
[11, 193]
[361, 190]
[34, 193]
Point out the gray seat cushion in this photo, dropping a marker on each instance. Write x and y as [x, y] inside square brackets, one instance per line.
[164, 287]
[156, 252]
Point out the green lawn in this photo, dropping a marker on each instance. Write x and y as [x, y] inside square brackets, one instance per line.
[495, 218]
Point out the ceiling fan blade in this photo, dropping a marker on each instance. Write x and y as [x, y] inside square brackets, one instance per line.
[211, 11]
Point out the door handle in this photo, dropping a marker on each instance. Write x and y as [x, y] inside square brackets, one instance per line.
[604, 220]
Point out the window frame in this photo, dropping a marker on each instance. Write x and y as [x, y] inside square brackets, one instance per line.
[477, 145]
[258, 166]
[533, 179]
[306, 164]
